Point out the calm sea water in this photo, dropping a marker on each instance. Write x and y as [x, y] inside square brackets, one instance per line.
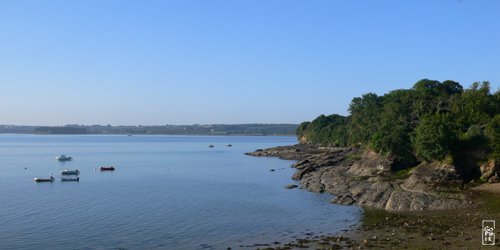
[168, 192]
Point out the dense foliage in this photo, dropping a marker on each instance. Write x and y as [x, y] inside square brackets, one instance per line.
[431, 121]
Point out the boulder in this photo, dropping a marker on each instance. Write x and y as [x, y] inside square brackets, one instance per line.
[431, 177]
[343, 200]
[370, 164]
[488, 170]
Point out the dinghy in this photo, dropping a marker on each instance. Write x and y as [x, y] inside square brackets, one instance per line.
[51, 179]
[63, 158]
[70, 172]
[70, 178]
[107, 168]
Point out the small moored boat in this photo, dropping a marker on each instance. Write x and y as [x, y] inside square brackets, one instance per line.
[70, 172]
[229, 145]
[211, 146]
[64, 158]
[107, 168]
[70, 178]
[51, 179]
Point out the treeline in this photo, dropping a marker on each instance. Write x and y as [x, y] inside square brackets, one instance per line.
[216, 129]
[60, 130]
[432, 121]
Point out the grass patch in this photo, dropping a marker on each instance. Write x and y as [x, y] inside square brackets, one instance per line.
[401, 174]
[353, 157]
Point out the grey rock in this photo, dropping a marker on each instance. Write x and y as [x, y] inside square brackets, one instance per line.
[489, 169]
[343, 199]
[365, 181]
[290, 186]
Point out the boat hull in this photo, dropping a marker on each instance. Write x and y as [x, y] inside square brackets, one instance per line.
[107, 168]
[43, 179]
[70, 172]
[70, 179]
[64, 158]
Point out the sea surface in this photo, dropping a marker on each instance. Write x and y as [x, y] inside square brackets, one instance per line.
[168, 192]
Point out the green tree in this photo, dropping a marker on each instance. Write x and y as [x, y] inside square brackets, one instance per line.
[301, 129]
[434, 137]
[475, 106]
[432, 96]
[396, 121]
[493, 134]
[394, 140]
[325, 130]
[364, 118]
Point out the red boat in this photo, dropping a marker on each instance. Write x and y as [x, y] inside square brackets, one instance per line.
[107, 168]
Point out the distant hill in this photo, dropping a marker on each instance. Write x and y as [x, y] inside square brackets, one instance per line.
[213, 129]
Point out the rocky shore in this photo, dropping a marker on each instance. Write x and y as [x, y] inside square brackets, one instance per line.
[425, 207]
[366, 179]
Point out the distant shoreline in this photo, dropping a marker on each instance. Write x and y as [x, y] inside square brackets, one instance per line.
[196, 129]
[270, 135]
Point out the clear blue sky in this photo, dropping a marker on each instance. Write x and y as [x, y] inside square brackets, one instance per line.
[185, 62]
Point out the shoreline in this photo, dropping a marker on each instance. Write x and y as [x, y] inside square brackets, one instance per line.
[455, 223]
[215, 135]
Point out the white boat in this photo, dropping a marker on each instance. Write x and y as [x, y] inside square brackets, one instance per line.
[51, 179]
[70, 178]
[70, 172]
[64, 158]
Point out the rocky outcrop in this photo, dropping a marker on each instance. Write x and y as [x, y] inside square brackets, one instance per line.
[490, 171]
[370, 164]
[365, 179]
[293, 152]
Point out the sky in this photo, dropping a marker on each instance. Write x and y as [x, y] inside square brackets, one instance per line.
[246, 61]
